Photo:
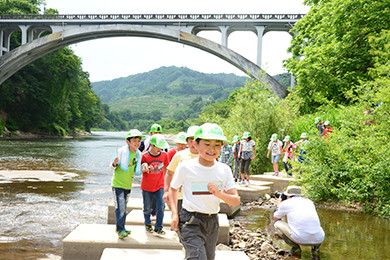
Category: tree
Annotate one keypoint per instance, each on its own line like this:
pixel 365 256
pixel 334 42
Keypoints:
pixel 331 51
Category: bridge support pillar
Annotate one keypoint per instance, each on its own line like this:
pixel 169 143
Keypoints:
pixel 24 33
pixel 260 32
pixel 1 42
pixel 292 84
pixel 224 35
pixel 5 44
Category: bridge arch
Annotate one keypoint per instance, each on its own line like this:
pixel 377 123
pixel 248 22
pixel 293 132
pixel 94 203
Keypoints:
pixel 27 53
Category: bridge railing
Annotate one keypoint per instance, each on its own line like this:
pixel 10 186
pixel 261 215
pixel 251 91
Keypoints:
pixel 151 16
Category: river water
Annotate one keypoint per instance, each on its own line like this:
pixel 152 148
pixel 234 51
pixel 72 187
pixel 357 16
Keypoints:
pixel 36 215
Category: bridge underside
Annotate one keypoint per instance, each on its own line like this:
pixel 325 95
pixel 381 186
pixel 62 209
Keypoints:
pixel 18 58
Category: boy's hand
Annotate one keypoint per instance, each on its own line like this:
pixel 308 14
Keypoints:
pixel 116 160
pixel 175 222
pixel 165 197
pixel 213 188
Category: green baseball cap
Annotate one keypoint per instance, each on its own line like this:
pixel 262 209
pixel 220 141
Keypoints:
pixel 181 138
pixel 246 135
pixel 210 131
pixel 155 128
pixel 274 137
pixel 134 133
pixel 159 141
pixel 303 135
pixel 286 138
pixel 318 119
pixel 326 123
pixel 191 131
pixel 236 138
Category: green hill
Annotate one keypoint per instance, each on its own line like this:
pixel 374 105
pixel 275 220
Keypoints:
pixel 165 89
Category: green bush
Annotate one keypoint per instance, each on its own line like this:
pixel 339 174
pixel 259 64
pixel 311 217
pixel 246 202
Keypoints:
pixel 256 110
pixel 352 164
pixel 2 125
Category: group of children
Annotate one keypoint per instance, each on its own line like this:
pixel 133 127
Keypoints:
pixel 323 127
pixel 188 178
pixel 277 150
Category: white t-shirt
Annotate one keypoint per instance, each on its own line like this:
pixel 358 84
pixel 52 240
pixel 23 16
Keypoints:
pixel 303 220
pixel 194 178
pixel 247 146
pixel 275 146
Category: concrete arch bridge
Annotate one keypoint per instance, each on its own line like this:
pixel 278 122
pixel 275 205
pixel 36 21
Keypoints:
pixel 69 29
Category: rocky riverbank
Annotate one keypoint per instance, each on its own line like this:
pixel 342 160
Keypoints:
pixel 257 244
pixel 24 135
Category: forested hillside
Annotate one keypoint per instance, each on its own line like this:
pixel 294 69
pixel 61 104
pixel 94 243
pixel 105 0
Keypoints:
pixel 166 88
pixel 49 96
pixel 168 95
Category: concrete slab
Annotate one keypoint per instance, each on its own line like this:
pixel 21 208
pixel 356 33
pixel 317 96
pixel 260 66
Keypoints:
pixel 136 217
pixel 88 241
pixel 262 183
pixel 280 183
pixel 155 254
pixel 252 192
pixel 133 203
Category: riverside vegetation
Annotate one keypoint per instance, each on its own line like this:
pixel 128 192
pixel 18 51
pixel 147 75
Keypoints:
pixel 341 61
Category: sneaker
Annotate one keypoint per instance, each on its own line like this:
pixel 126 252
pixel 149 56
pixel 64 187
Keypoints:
pixel 159 231
pixel 153 218
pixel 242 182
pixel 247 183
pixel 127 231
pixel 276 174
pixel 122 234
pixel 149 228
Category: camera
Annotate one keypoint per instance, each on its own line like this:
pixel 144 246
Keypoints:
pixel 279 194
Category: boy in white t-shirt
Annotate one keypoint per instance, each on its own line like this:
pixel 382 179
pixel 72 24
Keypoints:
pixel 205 182
pixel 276 146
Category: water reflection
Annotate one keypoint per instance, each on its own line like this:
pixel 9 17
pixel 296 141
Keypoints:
pixel 348 235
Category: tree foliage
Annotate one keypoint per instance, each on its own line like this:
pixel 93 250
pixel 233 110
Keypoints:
pixel 331 50
pixel 51 95
pixel 252 108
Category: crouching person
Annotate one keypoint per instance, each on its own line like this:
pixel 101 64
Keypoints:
pixel 303 225
pixel 205 182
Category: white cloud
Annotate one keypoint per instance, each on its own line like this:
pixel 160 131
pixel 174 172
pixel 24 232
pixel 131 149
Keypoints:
pixel 110 58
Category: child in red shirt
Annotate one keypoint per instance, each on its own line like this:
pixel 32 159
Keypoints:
pixel 154 165
pixel 328 129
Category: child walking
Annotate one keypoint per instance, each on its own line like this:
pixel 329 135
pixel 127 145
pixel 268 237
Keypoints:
pixel 236 149
pixel 302 144
pixel 289 149
pixel 247 154
pixel 154 164
pixel 205 182
pixel 276 146
pixel 125 164
pixel 184 155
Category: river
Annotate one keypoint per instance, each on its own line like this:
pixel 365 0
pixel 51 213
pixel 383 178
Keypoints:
pixel 36 215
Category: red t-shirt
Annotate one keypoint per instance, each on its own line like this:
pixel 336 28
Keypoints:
pixel 154 180
pixel 171 153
